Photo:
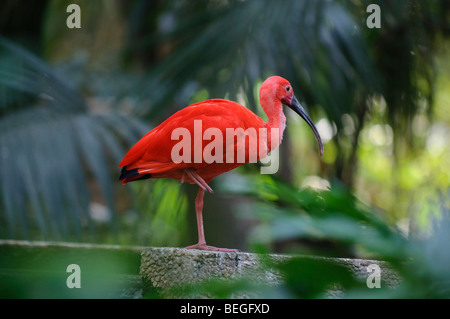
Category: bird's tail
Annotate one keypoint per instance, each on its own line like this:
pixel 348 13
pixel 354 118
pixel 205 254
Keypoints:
pixel 131 175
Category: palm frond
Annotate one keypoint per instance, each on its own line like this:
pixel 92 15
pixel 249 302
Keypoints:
pixel 228 47
pixel 51 151
pixel 22 71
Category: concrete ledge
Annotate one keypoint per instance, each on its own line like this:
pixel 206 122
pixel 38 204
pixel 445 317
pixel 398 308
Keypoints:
pixel 168 268
pixel 112 271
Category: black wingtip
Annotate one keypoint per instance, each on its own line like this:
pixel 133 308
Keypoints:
pixel 128 173
pixel 132 175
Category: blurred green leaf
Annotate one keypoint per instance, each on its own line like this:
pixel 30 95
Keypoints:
pixel 313 278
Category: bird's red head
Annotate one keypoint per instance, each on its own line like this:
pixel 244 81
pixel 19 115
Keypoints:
pixel 278 90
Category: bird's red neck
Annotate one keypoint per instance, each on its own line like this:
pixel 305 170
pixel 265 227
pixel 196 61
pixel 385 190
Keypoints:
pixel 276 120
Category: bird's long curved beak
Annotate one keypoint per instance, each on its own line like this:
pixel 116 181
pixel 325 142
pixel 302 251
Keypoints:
pixel 298 108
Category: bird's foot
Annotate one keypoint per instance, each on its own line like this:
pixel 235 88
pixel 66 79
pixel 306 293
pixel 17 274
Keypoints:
pixel 192 174
pixel 212 248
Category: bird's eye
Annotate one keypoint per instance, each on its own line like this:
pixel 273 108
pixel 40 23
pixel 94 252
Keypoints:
pixel 288 88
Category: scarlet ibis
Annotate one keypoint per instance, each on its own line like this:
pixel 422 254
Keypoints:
pixel 152 156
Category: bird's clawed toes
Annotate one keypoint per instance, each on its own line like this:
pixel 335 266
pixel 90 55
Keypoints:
pixel 196 178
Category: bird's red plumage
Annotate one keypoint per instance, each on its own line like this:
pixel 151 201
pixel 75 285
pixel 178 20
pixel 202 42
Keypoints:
pixel 152 154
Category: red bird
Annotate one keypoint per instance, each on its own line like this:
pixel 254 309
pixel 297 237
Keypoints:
pixel 158 154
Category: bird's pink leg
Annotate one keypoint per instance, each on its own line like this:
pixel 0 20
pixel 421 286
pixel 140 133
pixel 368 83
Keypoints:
pixel 182 177
pixel 201 234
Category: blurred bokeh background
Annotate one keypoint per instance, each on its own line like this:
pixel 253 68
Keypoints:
pixel 73 101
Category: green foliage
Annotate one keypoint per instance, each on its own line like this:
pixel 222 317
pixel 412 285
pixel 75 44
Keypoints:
pixel 286 213
pixel 51 147
pixel 302 279
pixel 40 271
pixel 419 263
pixel 159 214
pixel 316 47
